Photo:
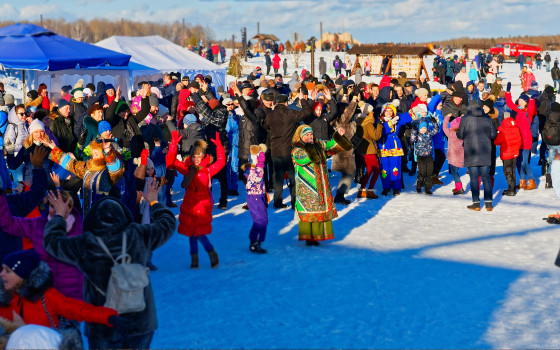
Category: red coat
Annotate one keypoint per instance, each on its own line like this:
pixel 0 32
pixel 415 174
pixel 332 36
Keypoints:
pixel 417 102
pixel 195 217
pixel 385 81
pixel 523 119
pixel 509 139
pixel 276 61
pixel 58 305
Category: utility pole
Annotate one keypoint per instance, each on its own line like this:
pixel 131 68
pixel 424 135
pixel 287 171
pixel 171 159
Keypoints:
pixel 313 58
pixel 321 37
pixel 233 44
pixel 42 20
pixel 258 28
pixel 244 41
pixel 184 36
pixel 122 26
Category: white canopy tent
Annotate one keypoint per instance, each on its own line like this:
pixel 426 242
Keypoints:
pixel 165 56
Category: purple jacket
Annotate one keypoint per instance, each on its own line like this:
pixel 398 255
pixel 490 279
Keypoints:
pixel 68 279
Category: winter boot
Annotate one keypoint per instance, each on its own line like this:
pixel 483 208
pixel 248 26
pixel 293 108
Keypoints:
pixel 531 185
pixel 522 184
pixel 544 168
pixel 488 206
pixel 339 198
pixel 255 247
pixel 396 192
pixel 194 261
pixel 371 195
pixel 509 192
pixel 361 193
pixel 428 191
pixel 548 181
pixel 436 180
pixel 214 262
pixel 458 189
pixel 385 191
pixel 418 189
pixel 475 206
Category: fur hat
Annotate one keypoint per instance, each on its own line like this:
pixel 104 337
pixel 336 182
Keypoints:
pixel 421 92
pixel 36 124
pixel 255 149
pixel 79 84
pixel 420 108
pixel 79 94
pixel 22 262
pixel 199 147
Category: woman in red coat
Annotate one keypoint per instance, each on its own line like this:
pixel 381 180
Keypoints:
pixel 276 63
pixel 26 295
pixel 195 217
pixel 526 110
pixel 509 140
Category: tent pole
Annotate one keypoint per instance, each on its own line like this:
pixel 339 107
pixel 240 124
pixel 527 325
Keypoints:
pixel 23 85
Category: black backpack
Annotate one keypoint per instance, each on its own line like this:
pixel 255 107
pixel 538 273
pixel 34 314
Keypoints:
pixel 551 133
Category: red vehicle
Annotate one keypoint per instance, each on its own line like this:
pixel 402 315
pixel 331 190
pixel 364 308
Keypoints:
pixel 512 50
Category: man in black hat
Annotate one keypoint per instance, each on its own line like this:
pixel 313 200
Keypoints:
pixel 281 124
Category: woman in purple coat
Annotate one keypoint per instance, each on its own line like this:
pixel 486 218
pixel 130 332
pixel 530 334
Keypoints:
pixel 67 279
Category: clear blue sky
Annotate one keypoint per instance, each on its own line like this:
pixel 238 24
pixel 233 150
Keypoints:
pixel 369 21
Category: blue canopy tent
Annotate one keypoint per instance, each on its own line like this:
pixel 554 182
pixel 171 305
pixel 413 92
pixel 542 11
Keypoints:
pixel 28 46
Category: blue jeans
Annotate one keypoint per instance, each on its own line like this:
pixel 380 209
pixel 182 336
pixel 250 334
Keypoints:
pixel 454 171
pixel 203 240
pixel 555 174
pixel 484 173
pixel 120 340
pixel 525 172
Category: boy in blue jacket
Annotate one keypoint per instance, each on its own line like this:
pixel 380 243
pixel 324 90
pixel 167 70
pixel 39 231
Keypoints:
pixel 425 128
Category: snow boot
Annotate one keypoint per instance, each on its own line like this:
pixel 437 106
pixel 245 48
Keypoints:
pixel 428 192
pixel 194 261
pixel 312 243
pixel 339 198
pixel 385 191
pixel 371 195
pixel 488 206
pixel 458 189
pixel 522 184
pixel 361 193
pixel 214 262
pixel 436 180
pixel 255 247
pixel 418 189
pixel 548 183
pixel 509 192
pixel 544 168
pixel 531 185
pixel 396 192
pixel 475 206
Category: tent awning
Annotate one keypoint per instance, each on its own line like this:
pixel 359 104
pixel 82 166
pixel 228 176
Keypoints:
pixel 28 46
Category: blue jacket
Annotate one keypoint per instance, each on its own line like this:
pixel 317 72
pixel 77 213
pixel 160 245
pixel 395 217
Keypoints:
pixel 438 139
pixel 232 129
pixel 473 74
pixel 423 142
pixel 21 205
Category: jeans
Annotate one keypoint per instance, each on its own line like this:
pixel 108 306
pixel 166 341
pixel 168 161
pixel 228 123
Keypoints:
pixel 193 241
pixel 281 166
pixel 484 173
pixel 524 168
pixel 454 171
pixel 120 340
pixel 547 65
pixel 555 174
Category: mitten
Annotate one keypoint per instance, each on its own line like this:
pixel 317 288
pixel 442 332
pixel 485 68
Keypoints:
pixel 175 137
pixel 10 147
pixel 217 140
pixel 144 156
pixel 508 87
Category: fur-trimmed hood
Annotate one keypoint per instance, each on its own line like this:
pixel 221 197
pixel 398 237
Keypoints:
pixel 34 103
pixel 33 287
pixel 103 222
pixel 296 139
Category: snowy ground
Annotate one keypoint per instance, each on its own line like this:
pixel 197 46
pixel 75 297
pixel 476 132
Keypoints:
pixel 403 272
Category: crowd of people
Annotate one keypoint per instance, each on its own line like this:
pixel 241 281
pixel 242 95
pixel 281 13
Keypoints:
pixel 86 181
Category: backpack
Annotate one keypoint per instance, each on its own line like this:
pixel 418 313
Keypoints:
pixel 551 133
pixel 125 290
pixel 535 128
pixel 337 64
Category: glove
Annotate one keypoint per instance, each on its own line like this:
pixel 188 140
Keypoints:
pixel 144 157
pixel 260 160
pixel 10 147
pixel 217 141
pixel 175 137
pixel 119 321
pixel 508 87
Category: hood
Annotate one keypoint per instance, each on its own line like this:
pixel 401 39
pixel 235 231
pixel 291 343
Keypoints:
pixel 554 117
pixel 384 94
pixel 33 287
pixel 100 88
pixel 475 112
pixel 12 117
pixel 107 217
pixel 508 123
pixel 296 139
pixel 5 109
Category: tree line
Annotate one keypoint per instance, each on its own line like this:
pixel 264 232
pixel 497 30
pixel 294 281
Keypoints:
pixel 547 42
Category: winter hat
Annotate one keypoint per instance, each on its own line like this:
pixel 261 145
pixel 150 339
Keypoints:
pixel 255 150
pixel 189 119
pixel 507 115
pixel 213 103
pixel 63 103
pixel 317 105
pixel 534 85
pixel 103 126
pixel 8 99
pixel 485 95
pixel 421 92
pixel 388 105
pixel 310 85
pixel 79 84
pixel 109 87
pixel 32 336
pixel 524 98
pixel 488 103
pixel 199 147
pixel 422 124
pixel 208 78
pixel 306 130
pixel 66 88
pixel 87 92
pixel 338 81
pixel 281 98
pixel 220 89
pixel 226 101
pixel 549 90
pixel 36 124
pixel 78 94
pixel 149 164
pixel 22 262
pixel 199 76
pixel 155 91
pixel 321 95
pixel 420 108
pixel 555 107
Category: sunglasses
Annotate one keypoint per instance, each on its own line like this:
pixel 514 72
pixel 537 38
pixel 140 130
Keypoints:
pixel 21 114
pixel 229 104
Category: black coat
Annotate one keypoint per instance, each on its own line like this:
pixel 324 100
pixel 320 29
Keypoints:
pixel 63 129
pixel 320 125
pixel 85 252
pixel 281 124
pixel 122 129
pixel 251 130
pixel 477 132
